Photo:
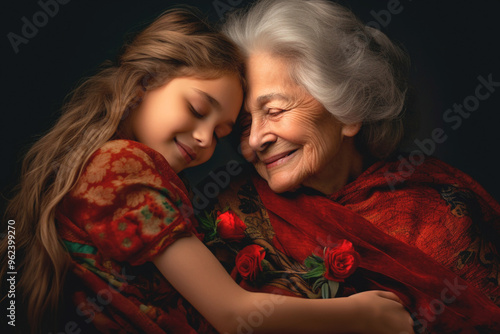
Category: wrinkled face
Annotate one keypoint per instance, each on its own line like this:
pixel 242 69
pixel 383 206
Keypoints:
pixel 293 140
pixel 183 119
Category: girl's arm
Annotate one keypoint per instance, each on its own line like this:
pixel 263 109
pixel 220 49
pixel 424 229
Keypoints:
pixel 195 272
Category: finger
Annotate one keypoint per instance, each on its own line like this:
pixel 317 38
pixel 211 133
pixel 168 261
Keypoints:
pixel 409 330
pixel 390 295
pixel 412 323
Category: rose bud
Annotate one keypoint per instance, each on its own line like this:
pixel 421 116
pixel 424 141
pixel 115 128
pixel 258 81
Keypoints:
pixel 230 226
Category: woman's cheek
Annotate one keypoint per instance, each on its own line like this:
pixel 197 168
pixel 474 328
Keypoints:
pixel 313 152
pixel 320 148
pixel 295 127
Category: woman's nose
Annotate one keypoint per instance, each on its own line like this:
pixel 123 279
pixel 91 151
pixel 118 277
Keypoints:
pixel 260 135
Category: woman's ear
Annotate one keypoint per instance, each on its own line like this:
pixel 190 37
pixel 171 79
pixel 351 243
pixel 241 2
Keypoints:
pixel 350 130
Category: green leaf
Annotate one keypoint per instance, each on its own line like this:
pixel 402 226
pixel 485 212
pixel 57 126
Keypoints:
pixel 309 262
pixel 316 272
pixel 208 222
pixel 334 288
pixel 209 216
pixel 318 258
pixel 313 261
pixel 325 291
pixel 266 266
pixel 206 225
pixel 209 225
pixel 318 283
pixel 211 235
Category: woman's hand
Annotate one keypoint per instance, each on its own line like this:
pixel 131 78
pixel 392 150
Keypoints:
pixel 381 312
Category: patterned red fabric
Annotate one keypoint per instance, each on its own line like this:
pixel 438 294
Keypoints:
pixel 431 237
pixel 127 206
pixel 437 208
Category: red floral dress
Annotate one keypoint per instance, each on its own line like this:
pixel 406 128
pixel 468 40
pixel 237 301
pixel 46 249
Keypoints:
pixel 127 207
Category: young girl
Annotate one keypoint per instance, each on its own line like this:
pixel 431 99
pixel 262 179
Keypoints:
pixel 104 225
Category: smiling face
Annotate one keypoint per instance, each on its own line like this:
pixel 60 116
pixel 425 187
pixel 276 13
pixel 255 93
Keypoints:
pixel 183 119
pixel 293 140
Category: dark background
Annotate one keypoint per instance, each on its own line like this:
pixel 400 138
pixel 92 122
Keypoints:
pixel 451 43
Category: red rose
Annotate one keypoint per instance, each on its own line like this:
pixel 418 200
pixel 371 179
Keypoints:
pixel 249 261
pixel 230 226
pixel 340 261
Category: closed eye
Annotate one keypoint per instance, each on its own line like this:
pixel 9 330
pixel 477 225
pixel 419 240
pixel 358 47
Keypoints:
pixel 275 111
pixel 194 112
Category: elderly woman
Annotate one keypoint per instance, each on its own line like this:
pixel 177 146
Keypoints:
pixel 333 212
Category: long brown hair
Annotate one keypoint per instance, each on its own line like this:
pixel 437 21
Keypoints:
pixel 178 43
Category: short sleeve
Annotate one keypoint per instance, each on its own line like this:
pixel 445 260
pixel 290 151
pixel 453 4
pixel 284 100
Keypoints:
pixel 130 202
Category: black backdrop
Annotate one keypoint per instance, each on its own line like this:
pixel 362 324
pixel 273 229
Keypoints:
pixel 451 44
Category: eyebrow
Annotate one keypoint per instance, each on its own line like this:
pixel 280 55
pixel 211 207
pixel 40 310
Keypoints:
pixel 209 98
pixel 272 96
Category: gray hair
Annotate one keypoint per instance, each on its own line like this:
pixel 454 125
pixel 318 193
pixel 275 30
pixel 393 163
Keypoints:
pixel 353 70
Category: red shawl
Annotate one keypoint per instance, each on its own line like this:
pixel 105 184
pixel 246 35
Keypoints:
pixel 428 235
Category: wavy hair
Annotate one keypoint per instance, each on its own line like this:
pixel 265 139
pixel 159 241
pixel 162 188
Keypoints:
pixel 353 70
pixel 178 43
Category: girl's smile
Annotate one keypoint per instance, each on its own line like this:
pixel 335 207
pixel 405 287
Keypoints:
pixel 183 119
pixel 188 154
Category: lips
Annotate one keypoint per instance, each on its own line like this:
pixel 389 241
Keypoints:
pixel 278 158
pixel 186 151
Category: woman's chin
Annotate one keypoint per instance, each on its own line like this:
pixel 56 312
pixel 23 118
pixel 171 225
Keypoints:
pixel 280 184
pixel 280 180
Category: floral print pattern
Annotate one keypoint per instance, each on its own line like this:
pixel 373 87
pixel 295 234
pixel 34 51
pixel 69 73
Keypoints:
pixel 123 211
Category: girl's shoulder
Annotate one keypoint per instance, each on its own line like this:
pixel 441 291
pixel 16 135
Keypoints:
pixel 127 202
pixel 120 162
pixel 128 156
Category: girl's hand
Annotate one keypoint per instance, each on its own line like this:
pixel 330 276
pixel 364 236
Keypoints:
pixel 197 275
pixel 381 312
